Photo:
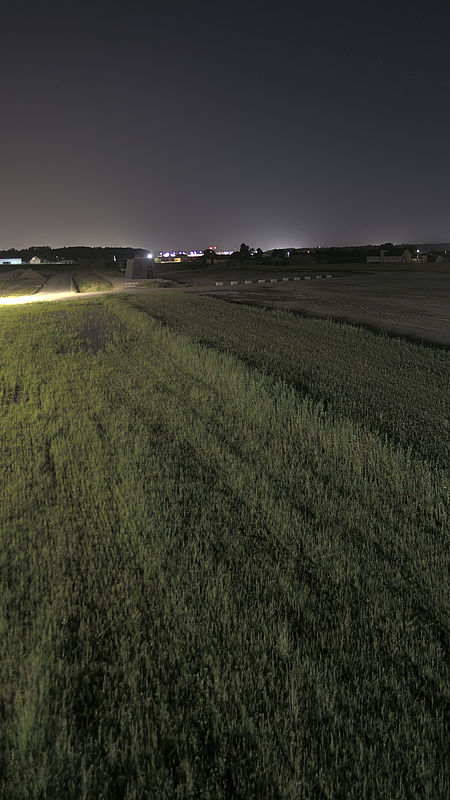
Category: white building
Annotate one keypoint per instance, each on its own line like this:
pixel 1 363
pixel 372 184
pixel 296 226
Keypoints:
pixel 10 261
pixel 395 255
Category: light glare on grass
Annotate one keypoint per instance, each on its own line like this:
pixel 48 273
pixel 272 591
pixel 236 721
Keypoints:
pixel 34 298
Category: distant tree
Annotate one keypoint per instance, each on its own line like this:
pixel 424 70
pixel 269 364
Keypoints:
pixel 278 256
pixel 387 244
pixel 208 256
pixel 244 252
pixel 259 254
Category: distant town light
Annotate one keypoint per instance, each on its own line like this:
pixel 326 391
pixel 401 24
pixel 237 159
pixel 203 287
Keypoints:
pixel 149 255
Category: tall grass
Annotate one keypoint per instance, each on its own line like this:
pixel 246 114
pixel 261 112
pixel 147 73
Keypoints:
pixel 86 281
pixel 211 586
pixel 396 388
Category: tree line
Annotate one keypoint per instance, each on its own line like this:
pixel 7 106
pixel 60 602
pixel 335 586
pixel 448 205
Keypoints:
pixel 77 253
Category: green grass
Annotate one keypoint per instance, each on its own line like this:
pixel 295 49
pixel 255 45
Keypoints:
pixel 396 388
pixel 12 288
pixel 211 586
pixel 86 281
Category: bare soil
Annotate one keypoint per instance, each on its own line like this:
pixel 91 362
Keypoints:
pixel 403 300
pixel 57 283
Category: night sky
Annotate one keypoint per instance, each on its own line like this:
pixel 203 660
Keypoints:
pixel 185 124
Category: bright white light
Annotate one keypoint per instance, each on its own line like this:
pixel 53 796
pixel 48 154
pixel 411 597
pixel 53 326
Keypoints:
pixel 12 301
pixel 149 255
pixel 166 255
pixel 40 297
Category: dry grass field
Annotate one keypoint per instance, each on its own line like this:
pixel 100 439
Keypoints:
pixel 224 554
pixel 411 302
pixel 399 299
pixel 407 300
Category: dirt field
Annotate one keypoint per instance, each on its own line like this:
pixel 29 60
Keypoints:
pixel 403 300
pixel 400 299
pixel 57 283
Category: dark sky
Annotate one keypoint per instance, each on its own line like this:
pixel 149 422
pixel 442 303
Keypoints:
pixel 183 124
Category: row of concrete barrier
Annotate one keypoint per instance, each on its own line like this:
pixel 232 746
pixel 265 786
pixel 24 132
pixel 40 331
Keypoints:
pixel 273 280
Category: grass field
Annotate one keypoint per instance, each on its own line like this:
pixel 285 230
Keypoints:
pixel 13 289
pixel 224 556
pixel 399 299
pixel 12 284
pixel 395 388
pixel 86 281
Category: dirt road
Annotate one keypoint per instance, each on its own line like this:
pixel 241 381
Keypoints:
pixel 57 284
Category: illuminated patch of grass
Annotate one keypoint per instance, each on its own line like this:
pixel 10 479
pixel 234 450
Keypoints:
pixel 211 587
pixel 87 281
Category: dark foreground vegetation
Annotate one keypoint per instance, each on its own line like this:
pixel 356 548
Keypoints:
pixel 224 574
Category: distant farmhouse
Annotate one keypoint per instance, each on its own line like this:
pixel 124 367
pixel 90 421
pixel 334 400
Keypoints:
pixel 10 260
pixel 35 260
pixel 434 256
pixel 394 255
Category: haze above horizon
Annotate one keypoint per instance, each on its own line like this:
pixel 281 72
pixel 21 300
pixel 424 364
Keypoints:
pixel 181 126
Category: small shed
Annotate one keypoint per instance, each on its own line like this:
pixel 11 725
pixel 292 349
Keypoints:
pixel 139 268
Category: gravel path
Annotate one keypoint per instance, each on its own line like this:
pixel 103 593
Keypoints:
pixel 59 283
